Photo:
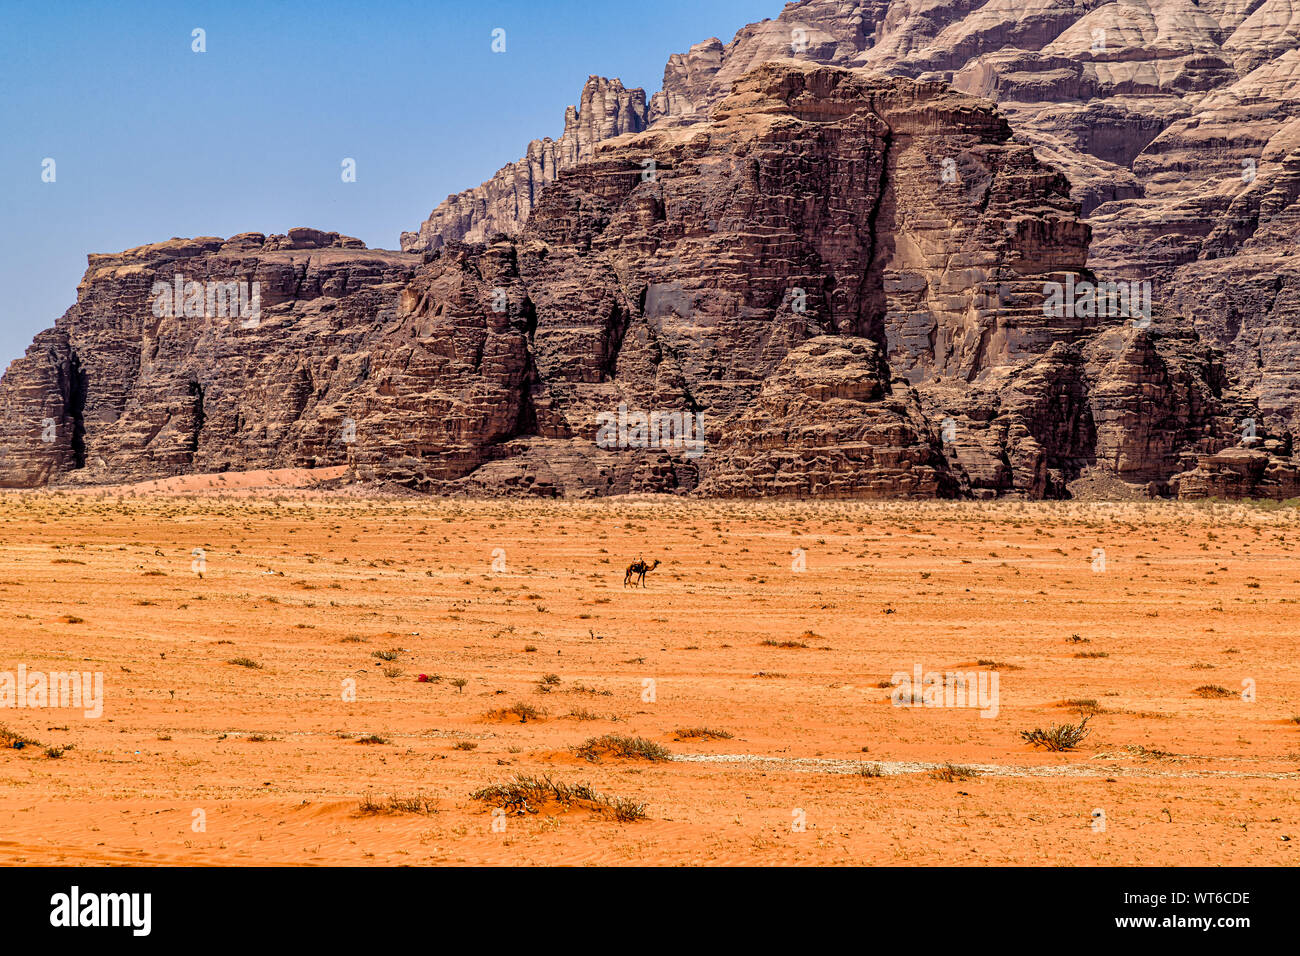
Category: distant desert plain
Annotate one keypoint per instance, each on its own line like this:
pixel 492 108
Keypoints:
pixel 299 675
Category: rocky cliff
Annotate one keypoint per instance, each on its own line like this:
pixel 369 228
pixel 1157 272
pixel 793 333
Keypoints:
pixel 814 264
pixel 1176 122
pixel 117 391
pixel 834 286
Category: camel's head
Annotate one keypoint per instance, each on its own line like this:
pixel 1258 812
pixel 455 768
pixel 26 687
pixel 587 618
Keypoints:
pixel 656 564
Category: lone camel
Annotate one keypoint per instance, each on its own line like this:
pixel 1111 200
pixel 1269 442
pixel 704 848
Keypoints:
pixel 637 570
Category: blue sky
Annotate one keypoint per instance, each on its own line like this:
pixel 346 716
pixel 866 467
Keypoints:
pixel 152 140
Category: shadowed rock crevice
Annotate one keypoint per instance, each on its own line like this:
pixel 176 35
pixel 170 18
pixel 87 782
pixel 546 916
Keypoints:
pixel 75 407
pixel 196 390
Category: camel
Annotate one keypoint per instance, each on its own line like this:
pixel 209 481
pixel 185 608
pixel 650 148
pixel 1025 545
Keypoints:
pixel 636 572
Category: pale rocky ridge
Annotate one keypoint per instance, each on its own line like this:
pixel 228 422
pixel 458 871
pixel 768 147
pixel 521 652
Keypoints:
pixel 605 110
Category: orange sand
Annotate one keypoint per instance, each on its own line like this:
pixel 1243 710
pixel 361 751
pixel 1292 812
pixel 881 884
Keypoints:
pixel 1191 596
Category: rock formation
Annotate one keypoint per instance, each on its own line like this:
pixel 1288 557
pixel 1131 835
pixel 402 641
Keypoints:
pixel 1176 122
pixel 819 248
pixel 117 392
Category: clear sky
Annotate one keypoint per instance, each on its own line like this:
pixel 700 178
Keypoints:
pixel 151 140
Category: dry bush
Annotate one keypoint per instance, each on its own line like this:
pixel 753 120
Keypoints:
pixel 614 745
pixel 523 712
pixel 701 733
pixel 527 794
pixel 394 805
pixel 1058 736
pixel 951 773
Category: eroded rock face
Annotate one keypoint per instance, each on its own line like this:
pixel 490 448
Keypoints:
pixel 1177 124
pixel 116 391
pixel 1241 473
pixel 810 206
pixel 827 424
pixel 832 287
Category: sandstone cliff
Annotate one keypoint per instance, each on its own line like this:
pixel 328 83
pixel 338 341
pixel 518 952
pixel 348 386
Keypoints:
pixel 833 286
pixel 1177 124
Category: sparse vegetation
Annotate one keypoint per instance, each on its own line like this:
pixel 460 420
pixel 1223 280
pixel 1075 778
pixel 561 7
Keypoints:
pixel 409 585
pixel 1059 736
pixel 13 740
pixel 701 733
pixel 529 794
pixel 951 773
pixel 615 745
pixel 395 805
pixel 519 710
pixel 1083 706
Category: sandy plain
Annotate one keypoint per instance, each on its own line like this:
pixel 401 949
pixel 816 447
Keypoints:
pixel 1182 647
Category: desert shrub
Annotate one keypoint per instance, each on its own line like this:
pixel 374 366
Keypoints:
pixel 527 794
pixel 1084 706
pixel 13 740
pixel 701 733
pixel 614 745
pixel 394 805
pixel 525 712
pixel 951 772
pixel 1058 736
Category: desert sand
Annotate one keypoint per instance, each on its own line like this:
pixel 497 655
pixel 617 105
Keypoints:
pixel 323 746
